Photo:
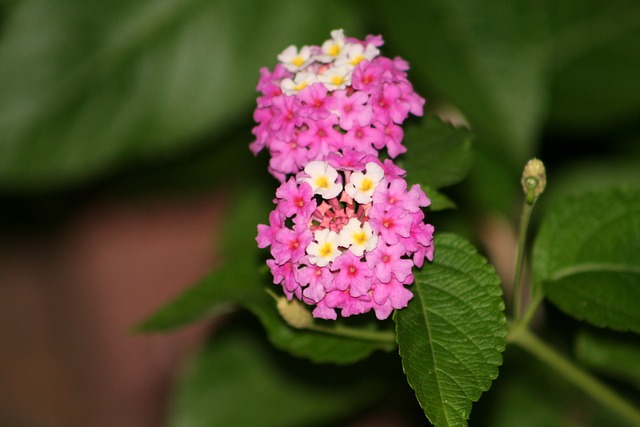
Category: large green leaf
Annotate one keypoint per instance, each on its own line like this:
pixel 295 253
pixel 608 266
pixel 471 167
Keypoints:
pixel 489 58
pixel 88 86
pixel 237 380
pixel 438 155
pixel 451 335
pixel 587 256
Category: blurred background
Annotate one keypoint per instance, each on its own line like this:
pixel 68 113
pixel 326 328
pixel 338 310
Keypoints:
pixel 124 129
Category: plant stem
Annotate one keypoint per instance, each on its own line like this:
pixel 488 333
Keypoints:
pixel 387 337
pixel 536 300
pixel 522 238
pixel 521 336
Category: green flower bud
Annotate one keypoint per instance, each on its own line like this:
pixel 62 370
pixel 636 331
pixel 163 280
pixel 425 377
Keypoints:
pixel 534 180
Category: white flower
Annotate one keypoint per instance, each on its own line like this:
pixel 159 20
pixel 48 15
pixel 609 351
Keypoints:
pixel 336 78
pixel 322 179
pixel 362 185
pixel 294 60
pixel 358 238
pixel 354 53
pixel 332 48
pixel 299 82
pixel 325 248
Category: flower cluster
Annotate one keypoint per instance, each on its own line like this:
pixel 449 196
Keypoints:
pixel 339 97
pixel 346 231
pixel 347 238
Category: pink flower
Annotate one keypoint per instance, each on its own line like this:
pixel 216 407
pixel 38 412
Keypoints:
pixel 391 222
pixel 296 200
pixel 291 243
pixel 353 109
pixel 315 102
pixel 321 135
pixel 387 261
pixel 344 254
pixel 352 274
pixel 392 138
pixel 364 139
pixel 387 105
pixel 395 194
pixel 285 118
pixel 390 296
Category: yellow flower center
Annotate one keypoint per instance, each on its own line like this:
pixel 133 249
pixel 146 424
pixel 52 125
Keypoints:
pixel 334 50
pixel 360 237
pixel 355 61
pixel 325 250
pixel 337 80
pixel 322 182
pixel 300 86
pixel 366 184
pixel 297 61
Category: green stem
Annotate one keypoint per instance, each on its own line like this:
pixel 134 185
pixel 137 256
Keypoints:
pixel 522 238
pixel 387 337
pixel 537 299
pixel 522 337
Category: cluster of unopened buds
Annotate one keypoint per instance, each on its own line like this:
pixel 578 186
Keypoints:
pixel 347 230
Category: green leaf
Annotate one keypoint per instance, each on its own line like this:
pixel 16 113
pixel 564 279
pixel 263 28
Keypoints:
pixel 451 335
pixel 88 87
pixel 616 357
pixel 489 58
pixel 318 347
pixel 587 257
pixel 237 380
pixel 234 283
pixel 438 155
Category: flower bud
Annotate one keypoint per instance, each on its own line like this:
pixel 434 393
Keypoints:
pixel 294 313
pixel 534 180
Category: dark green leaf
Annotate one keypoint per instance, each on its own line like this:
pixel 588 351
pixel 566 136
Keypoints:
pixel 489 58
pixel 88 86
pixel 236 380
pixel 615 357
pixel 438 156
pixel 587 256
pixel 451 335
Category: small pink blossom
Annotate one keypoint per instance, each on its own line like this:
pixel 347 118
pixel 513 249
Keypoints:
pixel 353 109
pixel 296 200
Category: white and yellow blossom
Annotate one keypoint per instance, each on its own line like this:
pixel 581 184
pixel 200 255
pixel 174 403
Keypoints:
pixel 358 237
pixel 325 247
pixel 323 179
pixel 362 185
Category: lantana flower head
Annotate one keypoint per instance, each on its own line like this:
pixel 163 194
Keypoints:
pixel 345 235
pixel 341 95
